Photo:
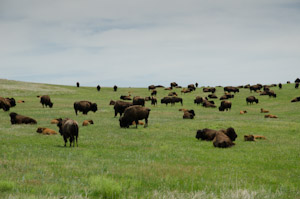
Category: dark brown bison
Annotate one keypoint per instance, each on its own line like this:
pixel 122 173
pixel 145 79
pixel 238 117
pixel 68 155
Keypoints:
pixel 85 107
pixel 251 99
pixel 199 100
pixel 270 116
pixel 185 91
pixel 69 129
pixel 297 85
pixel 212 96
pixel 154 92
pixel 120 107
pixel 208 104
pixel 226 96
pixel 138 101
pixel 249 138
pixel 224 139
pixel 98 88
pixel 209 134
pixel 4 104
pixel 46 101
pixel 189 114
pixel 153 101
pixel 125 97
pixel 77 84
pixel 297 99
pixel 166 100
pixel 169 88
pixel 176 100
pixel 87 122
pixel 151 87
pixel 46 131
pixel 191 87
pixel 280 86
pixel 225 105
pixel 255 87
pixel 231 89
pixel 209 89
pixel 20 119
pixel 115 88
pixel 134 113
pixel 173 84
pixel 172 94
pixel 196 84
pixel 297 80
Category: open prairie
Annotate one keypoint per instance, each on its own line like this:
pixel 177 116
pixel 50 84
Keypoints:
pixel 164 160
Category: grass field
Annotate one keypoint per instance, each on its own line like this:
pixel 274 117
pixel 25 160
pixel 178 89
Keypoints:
pixel 163 160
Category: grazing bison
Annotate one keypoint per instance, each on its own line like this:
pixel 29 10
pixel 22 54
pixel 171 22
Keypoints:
pixel 270 116
pixel 176 99
pixel 115 88
pixel 223 139
pixel 134 113
pixel 20 119
pixel 69 129
pixel 225 105
pixel 243 112
pixel 46 101
pixel 77 84
pixel 280 86
pixel 87 122
pixel 46 131
pixel 251 99
pixel 98 88
pixel 153 101
pixel 85 107
pixel 120 107
pixel 189 114
pixel 166 100
pixel 151 87
pixel 154 92
pixel 297 99
pixel 231 89
pixel 138 101
pixel 4 104
pixel 255 87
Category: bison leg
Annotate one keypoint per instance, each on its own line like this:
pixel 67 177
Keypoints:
pixel 76 111
pixel 71 140
pixel 116 113
pixel 136 123
pixel 77 141
pixel 146 122
pixel 65 139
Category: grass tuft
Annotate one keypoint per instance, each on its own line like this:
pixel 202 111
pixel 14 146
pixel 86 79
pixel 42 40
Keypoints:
pixel 104 187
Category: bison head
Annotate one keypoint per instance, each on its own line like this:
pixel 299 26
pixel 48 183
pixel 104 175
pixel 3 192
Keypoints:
pixel 256 100
pixel 12 101
pixel 124 123
pixel 199 134
pixel 50 104
pixel 192 112
pixel 94 107
pixel 40 130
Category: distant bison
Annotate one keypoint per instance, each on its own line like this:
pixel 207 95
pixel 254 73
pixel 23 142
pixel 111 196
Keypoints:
pixel 20 101
pixel 209 134
pixel 85 107
pixel 77 84
pixel 69 129
pixel 297 99
pixel 270 116
pixel 199 100
pixel 46 131
pixel 209 89
pixel 188 114
pixel 115 88
pixel 208 104
pixel 138 101
pixel 153 101
pixel 20 119
pixel 264 111
pixel 231 89
pixel 98 88
pixel 154 92
pixel 243 112
pixel 87 122
pixel 191 87
pixel 224 139
pixel 212 96
pixel 280 86
pixel 46 101
pixel 255 87
pixel 125 97
pixel 151 87
pixel 251 99
pixel 173 84
pixel 120 107
pixel 134 113
pixel 225 105
pixel 253 137
pixel 4 104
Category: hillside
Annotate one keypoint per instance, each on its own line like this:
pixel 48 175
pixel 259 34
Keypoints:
pixel 164 160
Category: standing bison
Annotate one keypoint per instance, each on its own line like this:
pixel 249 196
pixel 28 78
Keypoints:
pixel 46 101
pixel 138 101
pixel 134 113
pixel 85 107
pixel 69 130
pixel 20 119
pixel 120 107
pixel 251 99
pixel 225 105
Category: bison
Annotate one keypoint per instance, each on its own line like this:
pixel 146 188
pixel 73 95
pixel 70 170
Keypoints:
pixel 225 105
pixel 264 111
pixel 112 102
pixel 77 84
pixel 199 100
pixel 120 107
pixel 4 104
pixel 243 112
pixel 98 88
pixel 85 107
pixel 69 129
pixel 20 119
pixel 231 89
pixel 208 104
pixel 280 86
pixel 251 99
pixel 173 84
pixel 151 87
pixel 224 139
pixel 209 134
pixel 138 101
pixel 253 137
pixel 115 88
pixel 270 116
pixel 134 113
pixel 153 101
pixel 191 87
pixel 87 122
pixel 125 97
pixel 297 85
pixel 189 114
pixel 46 131
pixel 46 101
pixel 212 96
pixel 154 92
pixel 297 99
pixel 208 89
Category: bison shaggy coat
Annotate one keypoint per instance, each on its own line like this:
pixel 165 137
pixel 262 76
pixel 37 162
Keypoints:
pixel 188 114
pixel 120 107
pixel 134 113
pixel 225 105
pixel 251 99
pixel 20 119
pixel 4 104
pixel 69 129
pixel 46 101
pixel 85 107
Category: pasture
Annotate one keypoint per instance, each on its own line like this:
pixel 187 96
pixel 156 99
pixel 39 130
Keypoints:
pixel 164 160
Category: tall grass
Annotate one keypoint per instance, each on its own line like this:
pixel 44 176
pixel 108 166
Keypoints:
pixel 163 160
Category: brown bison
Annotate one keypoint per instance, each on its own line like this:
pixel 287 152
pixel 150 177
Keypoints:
pixel 212 96
pixel 208 104
pixel 115 88
pixel 77 84
pixel 297 99
pixel 172 94
pixel 4 104
pixel 98 88
pixel 280 86
pixel 87 122
pixel 209 134
pixel 199 100
pixel 151 87
pixel 191 87
pixel 270 116
pixel 69 129
pixel 224 139
pixel 225 105
pixel 185 91
pixel 46 101
pixel 264 111
pixel 226 96
pixel 255 87
pixel 253 137
pixel 154 92
pixel 188 114
pixel 251 99
pixel 153 101
pixel 20 101
pixel 243 112
pixel 209 89
pixel 173 84
pixel 46 131
pixel 134 113
pixel 85 107
pixel 120 107
pixel 231 89
pixel 125 97
pixel 138 101
pixel 20 119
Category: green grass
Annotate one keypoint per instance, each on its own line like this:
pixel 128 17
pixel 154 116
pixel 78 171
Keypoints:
pixel 163 160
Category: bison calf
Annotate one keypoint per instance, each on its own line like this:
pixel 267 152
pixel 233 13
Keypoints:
pixel 87 122
pixel 46 131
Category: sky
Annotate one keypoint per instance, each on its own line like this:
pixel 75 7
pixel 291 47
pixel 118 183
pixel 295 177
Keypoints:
pixel 136 43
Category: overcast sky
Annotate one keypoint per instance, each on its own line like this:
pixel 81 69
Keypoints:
pixel 137 42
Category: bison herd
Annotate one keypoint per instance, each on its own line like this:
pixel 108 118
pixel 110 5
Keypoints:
pixel 133 110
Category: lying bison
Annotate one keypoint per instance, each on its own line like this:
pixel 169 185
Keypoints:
pixel 134 113
pixel 87 122
pixel 209 134
pixel 46 101
pixel 46 131
pixel 4 104
pixel 85 107
pixel 69 129
pixel 20 119
pixel 188 114
pixel 120 107
pixel 297 99
pixel 231 89
pixel 224 139
pixel 251 99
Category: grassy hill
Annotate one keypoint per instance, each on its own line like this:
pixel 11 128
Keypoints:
pixel 163 160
